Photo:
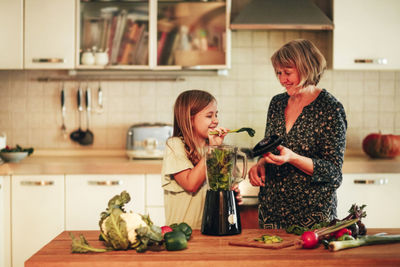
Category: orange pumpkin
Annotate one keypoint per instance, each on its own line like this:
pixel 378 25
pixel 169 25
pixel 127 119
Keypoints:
pixel 377 145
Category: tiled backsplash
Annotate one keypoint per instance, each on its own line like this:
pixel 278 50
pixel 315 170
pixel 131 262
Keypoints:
pixel 30 112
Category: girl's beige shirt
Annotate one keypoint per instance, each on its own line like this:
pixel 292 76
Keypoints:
pixel 180 206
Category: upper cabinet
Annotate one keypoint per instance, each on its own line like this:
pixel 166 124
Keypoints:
pixel 366 34
pixel 49 34
pixel 11 20
pixel 153 34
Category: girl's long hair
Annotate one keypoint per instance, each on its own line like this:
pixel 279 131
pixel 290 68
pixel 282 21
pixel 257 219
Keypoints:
pixel 188 104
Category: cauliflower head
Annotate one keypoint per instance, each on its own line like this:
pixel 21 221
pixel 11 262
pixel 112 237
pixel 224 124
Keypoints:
pixel 133 221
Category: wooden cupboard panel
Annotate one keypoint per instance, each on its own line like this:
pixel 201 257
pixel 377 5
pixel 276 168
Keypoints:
pixel 154 191
pixel 49 34
pixel 366 30
pixel 11 45
pixel 37 204
pixel 87 196
pixel 380 192
pixel 5 235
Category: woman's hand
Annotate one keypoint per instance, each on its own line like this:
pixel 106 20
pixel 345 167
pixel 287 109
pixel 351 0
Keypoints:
pixel 235 188
pixel 285 155
pixel 217 139
pixel 257 174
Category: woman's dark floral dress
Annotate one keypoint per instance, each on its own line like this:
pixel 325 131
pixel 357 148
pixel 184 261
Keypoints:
pixel 291 196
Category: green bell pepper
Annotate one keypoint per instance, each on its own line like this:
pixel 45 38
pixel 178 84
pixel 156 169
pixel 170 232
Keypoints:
pixel 184 228
pixel 175 240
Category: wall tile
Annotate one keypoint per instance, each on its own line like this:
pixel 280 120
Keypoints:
pixel 30 110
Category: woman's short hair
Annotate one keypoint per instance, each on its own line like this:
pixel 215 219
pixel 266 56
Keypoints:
pixel 305 57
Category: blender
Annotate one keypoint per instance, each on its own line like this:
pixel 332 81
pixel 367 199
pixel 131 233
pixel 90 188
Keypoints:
pixel 221 214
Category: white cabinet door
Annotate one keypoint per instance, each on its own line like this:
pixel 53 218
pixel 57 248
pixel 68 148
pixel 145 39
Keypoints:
pixel 155 199
pixel 37 203
pixel 88 195
pixel 380 192
pixel 11 32
pixel 49 34
pixel 5 241
pixel 367 31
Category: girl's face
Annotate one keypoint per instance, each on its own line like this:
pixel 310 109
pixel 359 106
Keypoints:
pixel 289 78
pixel 204 120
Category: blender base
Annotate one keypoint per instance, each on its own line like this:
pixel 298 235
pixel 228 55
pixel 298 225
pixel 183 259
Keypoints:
pixel 221 214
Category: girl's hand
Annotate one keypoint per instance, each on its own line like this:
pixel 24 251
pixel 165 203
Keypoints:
pixel 285 155
pixel 257 174
pixel 217 139
pixel 235 188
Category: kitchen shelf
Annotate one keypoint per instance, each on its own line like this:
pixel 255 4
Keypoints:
pixel 150 35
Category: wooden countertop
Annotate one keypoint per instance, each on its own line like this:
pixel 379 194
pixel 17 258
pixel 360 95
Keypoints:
pixel 115 162
pixel 214 251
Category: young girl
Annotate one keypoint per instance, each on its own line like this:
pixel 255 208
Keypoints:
pixel 183 170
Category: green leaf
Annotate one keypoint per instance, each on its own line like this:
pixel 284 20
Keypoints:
pixel 118 201
pixel 117 235
pixel 81 245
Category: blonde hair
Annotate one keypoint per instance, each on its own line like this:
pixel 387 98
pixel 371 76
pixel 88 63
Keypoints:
pixel 305 57
pixel 188 104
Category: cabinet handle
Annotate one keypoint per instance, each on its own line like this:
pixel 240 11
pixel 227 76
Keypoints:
pixel 37 183
pixel 48 60
pixel 380 61
pixel 105 183
pixel 382 181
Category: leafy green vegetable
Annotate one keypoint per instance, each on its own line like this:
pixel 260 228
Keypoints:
pixel 121 230
pixel 219 168
pixel 249 131
pixel 81 245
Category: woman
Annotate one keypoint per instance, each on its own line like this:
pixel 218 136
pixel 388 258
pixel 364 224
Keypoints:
pixel 298 181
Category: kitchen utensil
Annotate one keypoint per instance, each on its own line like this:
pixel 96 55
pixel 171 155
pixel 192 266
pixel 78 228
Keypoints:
pixel 147 140
pixel 88 137
pixel 267 144
pixel 100 107
pixel 255 244
pixel 77 135
pixel 221 212
pixel 63 111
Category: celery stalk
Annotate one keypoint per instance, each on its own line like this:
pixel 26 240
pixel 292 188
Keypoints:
pixel 363 241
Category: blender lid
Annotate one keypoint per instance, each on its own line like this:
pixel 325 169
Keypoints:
pixel 267 144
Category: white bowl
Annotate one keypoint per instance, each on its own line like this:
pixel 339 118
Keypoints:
pixel 13 156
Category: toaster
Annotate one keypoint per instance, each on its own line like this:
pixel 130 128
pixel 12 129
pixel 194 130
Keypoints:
pixel 147 140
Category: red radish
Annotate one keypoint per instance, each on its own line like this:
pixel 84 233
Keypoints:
pixel 165 229
pixel 310 239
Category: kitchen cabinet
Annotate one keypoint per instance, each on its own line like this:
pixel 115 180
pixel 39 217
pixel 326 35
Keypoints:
pixel 11 44
pixel 155 199
pixel 37 204
pixel 154 34
pixel 380 192
pixel 87 196
pixel 5 241
pixel 49 34
pixel 366 34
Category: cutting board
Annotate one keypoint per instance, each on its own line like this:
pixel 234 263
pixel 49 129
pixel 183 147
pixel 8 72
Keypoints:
pixel 288 241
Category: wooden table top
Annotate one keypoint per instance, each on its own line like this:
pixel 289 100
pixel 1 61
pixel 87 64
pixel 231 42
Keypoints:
pixel 215 251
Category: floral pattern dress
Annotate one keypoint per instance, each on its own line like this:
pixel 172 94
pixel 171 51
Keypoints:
pixel 290 196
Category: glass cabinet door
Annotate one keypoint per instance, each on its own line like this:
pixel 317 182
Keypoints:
pixel 113 34
pixel 192 33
